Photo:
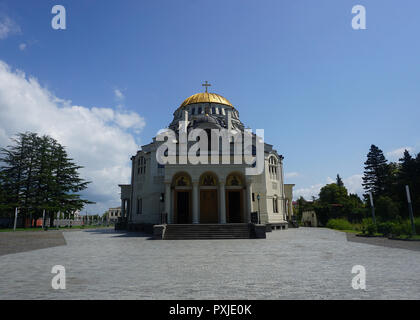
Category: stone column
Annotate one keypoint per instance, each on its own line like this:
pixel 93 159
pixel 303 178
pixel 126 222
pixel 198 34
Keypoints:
pixel 122 207
pixel 249 199
pixel 168 202
pixel 222 218
pixel 196 213
pixel 291 208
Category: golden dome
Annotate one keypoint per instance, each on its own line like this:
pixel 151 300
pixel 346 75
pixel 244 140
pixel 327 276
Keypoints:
pixel 206 97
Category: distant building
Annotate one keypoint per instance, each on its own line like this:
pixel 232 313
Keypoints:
pixel 288 196
pixel 113 214
pixel 76 215
pixel 309 219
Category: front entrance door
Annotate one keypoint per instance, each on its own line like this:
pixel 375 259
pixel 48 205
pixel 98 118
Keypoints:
pixel 183 207
pixel 234 206
pixel 208 206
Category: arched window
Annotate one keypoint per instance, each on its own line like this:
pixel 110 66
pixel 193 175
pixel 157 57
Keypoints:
pixel 141 165
pixel 275 205
pixel 182 181
pixel 272 167
pixel 208 180
pixel 234 180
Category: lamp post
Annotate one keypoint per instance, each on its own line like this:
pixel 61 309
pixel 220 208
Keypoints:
pixel 410 210
pixel 16 214
pixel 43 219
pixel 373 207
pixel 259 218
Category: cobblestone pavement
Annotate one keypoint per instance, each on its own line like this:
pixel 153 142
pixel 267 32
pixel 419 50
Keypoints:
pixel 13 242
pixel 304 263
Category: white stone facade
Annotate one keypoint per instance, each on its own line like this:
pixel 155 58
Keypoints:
pixel 113 214
pixel 204 193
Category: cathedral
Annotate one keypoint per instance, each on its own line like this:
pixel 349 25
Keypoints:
pixel 205 193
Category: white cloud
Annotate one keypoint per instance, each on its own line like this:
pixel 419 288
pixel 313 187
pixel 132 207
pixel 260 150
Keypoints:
pixel 8 27
pixel 288 175
pixel 396 154
pixel 130 120
pixel 118 94
pixel 308 192
pixel 22 46
pixel 97 138
pixel 352 183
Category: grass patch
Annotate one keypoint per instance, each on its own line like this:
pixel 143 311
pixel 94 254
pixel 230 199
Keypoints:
pixel 398 229
pixel 407 237
pixel 339 224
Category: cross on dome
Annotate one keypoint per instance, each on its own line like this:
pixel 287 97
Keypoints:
pixel 206 84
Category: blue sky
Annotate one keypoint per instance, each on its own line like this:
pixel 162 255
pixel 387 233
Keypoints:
pixel 322 91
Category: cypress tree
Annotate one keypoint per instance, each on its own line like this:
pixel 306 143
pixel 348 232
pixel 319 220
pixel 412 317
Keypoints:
pixel 376 173
pixel 339 181
pixel 409 174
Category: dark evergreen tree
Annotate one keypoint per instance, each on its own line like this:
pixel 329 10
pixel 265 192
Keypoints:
pixel 407 170
pixel 36 174
pixel 376 174
pixel 408 174
pixel 339 181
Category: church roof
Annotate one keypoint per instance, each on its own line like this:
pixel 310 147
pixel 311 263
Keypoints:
pixel 206 97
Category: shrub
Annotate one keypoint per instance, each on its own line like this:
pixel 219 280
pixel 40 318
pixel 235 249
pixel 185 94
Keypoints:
pixel 397 229
pixel 369 227
pixel 386 208
pixel 339 224
pixel 417 224
pixel 401 228
pixel 386 228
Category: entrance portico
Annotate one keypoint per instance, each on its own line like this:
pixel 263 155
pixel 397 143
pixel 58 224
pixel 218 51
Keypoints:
pixel 210 198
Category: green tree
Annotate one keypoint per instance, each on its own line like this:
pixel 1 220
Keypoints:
pixel 408 174
pixel 339 181
pixel 333 194
pixel 376 173
pixel 5 209
pixel 334 202
pixel 37 174
pixel 354 208
pixel 386 208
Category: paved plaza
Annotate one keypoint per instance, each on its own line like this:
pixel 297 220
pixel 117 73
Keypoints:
pixel 304 263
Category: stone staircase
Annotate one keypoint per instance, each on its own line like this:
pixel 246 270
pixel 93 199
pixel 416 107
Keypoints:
pixel 207 231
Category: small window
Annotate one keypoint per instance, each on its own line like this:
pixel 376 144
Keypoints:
pixel 199 110
pixel 213 110
pixel 193 111
pixel 141 165
pixel 139 206
pixel 253 197
pixel 275 206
